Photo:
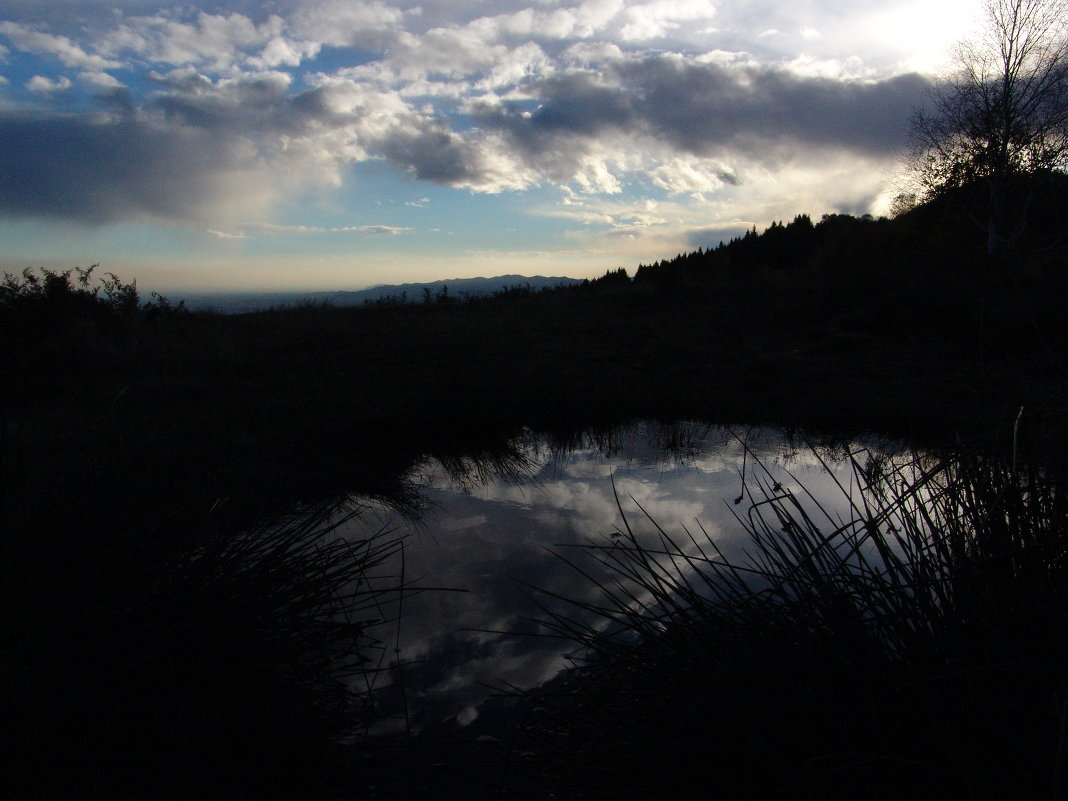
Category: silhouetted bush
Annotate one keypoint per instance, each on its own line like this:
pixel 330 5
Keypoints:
pixel 72 291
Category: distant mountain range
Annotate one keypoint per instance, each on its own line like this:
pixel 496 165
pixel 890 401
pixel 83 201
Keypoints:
pixel 459 288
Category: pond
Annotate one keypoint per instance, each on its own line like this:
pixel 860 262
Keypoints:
pixel 497 542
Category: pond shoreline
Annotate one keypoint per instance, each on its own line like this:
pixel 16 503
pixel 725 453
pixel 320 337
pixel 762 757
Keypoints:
pixel 298 402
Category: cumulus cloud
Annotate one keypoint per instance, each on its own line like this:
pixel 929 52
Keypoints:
pixel 236 107
pixel 342 23
pixel 101 81
pixel 27 38
pixel 688 176
pixel 216 41
pixel 709 109
pixel 39 83
pixel 430 152
pixel 656 19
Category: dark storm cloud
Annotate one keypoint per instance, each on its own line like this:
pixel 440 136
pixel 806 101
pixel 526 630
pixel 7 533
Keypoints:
pixel 253 105
pixel 178 156
pixel 95 171
pixel 573 105
pixel 705 109
pixel 199 144
pixel 430 153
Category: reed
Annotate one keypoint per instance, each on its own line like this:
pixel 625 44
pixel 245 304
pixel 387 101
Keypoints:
pixel 911 647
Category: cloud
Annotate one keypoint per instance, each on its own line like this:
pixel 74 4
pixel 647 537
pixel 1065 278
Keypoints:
pixel 367 230
pixel 446 52
pixel 689 176
pixel 43 85
pixel 101 81
pixel 302 140
pixel 656 19
pixel 229 112
pixel 430 152
pixel 343 23
pixel 96 169
pixel 710 110
pixel 375 230
pixel 418 141
pixel 219 42
pixel 200 145
pixel 637 224
pixel 27 38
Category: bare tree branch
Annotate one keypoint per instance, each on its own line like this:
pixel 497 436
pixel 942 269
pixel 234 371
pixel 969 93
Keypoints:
pixel 1001 118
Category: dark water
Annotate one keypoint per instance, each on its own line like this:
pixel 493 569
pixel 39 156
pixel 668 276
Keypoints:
pixel 492 532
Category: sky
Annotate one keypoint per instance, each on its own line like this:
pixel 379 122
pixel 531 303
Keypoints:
pixel 339 144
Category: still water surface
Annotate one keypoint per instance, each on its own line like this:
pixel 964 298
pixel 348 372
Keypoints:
pixel 491 532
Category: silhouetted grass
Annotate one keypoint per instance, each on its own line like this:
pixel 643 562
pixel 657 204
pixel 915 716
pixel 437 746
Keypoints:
pixel 185 659
pixel 913 648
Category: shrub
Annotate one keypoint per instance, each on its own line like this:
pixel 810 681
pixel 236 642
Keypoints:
pixel 72 291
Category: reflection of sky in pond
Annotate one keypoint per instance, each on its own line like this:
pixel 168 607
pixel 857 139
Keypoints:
pixel 498 536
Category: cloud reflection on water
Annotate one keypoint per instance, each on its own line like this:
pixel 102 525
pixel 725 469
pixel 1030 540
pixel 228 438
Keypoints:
pixel 500 535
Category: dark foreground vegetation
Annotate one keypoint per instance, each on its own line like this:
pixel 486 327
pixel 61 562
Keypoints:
pixel 179 622
pixel 912 649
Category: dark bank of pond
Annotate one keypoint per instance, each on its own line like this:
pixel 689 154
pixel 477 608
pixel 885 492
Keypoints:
pixel 499 544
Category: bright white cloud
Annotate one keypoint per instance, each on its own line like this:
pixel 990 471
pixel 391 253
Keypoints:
pixel 70 54
pixel 216 41
pixel 43 85
pixel 695 177
pixel 452 53
pixel 658 18
pixel 924 33
pixel 343 23
pixel 101 80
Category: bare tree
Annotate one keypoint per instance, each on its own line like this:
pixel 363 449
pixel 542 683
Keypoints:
pixel 1001 118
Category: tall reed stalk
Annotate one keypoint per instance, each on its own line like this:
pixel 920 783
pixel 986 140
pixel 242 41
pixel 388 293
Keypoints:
pixel 912 648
